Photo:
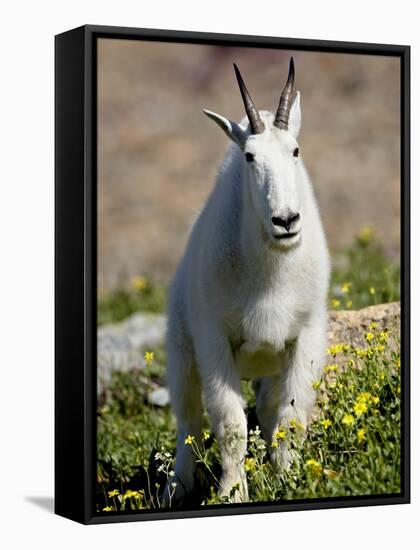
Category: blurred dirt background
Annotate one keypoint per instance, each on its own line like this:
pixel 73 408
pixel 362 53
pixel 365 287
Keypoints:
pixel 158 154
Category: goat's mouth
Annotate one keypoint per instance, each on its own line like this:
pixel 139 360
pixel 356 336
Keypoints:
pixel 286 235
pixel 285 241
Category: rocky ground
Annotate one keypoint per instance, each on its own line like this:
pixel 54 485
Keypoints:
pixel 350 326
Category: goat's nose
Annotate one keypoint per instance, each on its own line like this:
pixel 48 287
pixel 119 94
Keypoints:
pixel 286 222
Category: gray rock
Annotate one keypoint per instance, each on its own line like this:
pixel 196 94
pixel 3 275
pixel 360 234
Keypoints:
pixel 159 397
pixel 349 327
pixel 121 345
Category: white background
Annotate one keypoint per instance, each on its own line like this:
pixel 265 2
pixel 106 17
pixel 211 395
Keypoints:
pixel 26 271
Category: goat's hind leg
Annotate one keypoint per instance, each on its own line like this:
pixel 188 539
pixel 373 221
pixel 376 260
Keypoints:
pixel 186 400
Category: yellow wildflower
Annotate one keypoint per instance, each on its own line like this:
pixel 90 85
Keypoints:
pixel 399 390
pixel 139 283
pixel 369 336
pixel 375 399
pixel 130 494
pixel 301 426
pixel 337 348
pixel 326 423
pixel 349 304
pixel 335 303
pixel 398 363
pixel 345 287
pixel 314 466
pixel 189 440
pixel 206 435
pixel 383 337
pixel 348 419
pixel 360 408
pixel 249 464
pixel 274 444
pixel 113 493
pixel 107 509
pixel 149 357
pixel 372 290
pixel 281 433
pixel 316 384
pixel 330 368
pixel 375 411
pixel 350 363
pixel 364 397
pixel 332 385
pixel 365 234
pixel 373 325
pixel 361 434
pixel 293 422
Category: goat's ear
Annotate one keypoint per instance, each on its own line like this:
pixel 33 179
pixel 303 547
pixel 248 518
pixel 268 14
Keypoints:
pixel 233 130
pixel 295 116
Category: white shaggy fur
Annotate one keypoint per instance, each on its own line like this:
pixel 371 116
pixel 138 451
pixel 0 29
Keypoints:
pixel 245 304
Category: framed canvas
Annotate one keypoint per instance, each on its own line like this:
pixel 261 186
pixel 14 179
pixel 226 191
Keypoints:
pixel 232 287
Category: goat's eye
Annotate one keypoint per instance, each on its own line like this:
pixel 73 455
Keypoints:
pixel 296 152
pixel 249 157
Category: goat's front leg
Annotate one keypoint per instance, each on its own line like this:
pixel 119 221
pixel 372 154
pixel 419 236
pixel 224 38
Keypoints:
pixel 304 360
pixel 222 395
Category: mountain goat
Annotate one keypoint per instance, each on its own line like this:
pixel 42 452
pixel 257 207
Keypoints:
pixel 249 296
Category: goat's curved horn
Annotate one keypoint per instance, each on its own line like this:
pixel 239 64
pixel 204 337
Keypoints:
pixel 257 125
pixel 282 115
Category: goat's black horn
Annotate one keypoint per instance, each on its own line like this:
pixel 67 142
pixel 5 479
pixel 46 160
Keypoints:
pixel 257 125
pixel 283 110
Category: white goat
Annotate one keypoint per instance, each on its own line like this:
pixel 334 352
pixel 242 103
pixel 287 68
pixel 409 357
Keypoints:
pixel 249 296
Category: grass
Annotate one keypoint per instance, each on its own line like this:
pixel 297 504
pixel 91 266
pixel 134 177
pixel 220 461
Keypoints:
pixel 362 275
pixel 352 448
pixel 141 295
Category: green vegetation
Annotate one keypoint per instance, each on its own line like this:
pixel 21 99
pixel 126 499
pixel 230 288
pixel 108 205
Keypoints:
pixel 142 295
pixel 363 276
pixel 352 448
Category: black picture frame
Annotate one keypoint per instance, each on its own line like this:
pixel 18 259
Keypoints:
pixel 76 264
